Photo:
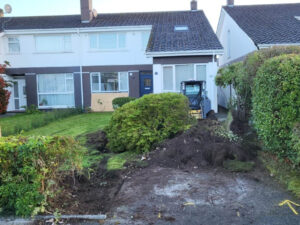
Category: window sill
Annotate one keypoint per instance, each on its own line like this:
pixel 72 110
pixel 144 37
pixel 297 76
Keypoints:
pixel 13 53
pixel 108 92
pixel 53 52
pixel 107 50
pixel 56 107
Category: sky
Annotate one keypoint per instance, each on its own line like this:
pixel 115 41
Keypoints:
pixel 211 8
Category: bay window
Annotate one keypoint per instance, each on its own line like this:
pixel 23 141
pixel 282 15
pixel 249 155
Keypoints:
pixel 109 82
pixel 53 43
pixel 56 90
pixel 107 41
pixel 173 75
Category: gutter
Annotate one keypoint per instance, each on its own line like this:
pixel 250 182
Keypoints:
pixel 185 53
pixel 262 46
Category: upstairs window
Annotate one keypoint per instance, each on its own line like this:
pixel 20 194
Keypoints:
pixel 53 43
pixel 13 45
pixel 108 41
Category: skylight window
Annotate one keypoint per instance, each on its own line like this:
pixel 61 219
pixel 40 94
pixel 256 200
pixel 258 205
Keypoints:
pixel 181 28
pixel 297 17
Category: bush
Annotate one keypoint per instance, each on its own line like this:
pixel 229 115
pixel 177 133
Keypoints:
pixel 4 95
pixel 119 102
pixel 31 120
pixel 30 169
pixel 241 75
pixel 140 124
pixel 276 104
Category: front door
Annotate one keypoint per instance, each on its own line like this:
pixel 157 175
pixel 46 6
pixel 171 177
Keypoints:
pixel 146 84
pixel 19 93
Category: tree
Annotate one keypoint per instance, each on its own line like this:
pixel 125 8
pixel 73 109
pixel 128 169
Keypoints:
pixel 4 93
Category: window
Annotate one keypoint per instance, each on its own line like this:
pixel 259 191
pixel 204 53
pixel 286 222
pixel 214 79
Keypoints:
pixel 107 41
pixel 145 39
pixel 173 75
pixel 201 72
pixel 181 28
pixel 228 44
pixel 13 45
pixel 53 43
pixel 109 82
pixel 56 90
pixel 183 73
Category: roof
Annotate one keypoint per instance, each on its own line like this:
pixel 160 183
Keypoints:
pixel 268 24
pixel 199 37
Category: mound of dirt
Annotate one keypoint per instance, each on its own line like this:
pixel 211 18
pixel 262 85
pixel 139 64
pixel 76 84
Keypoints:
pixel 97 140
pixel 199 146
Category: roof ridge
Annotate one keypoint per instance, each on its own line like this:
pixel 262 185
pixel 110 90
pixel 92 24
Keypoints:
pixel 117 13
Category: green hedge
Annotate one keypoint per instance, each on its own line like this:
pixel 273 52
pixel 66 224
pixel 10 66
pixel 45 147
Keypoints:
pixel 119 102
pixel 276 104
pixel 30 168
pixel 241 75
pixel 142 123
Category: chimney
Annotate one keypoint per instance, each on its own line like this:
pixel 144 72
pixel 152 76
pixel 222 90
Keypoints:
pixel 194 6
pixel 230 2
pixel 86 11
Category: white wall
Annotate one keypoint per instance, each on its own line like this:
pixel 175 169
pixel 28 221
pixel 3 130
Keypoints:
pixel 28 57
pixel 239 44
pixel 211 72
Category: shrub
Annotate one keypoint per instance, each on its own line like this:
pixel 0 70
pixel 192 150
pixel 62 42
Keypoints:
pixel 241 75
pixel 30 169
pixel 4 95
pixel 31 120
pixel 140 124
pixel 119 102
pixel 276 103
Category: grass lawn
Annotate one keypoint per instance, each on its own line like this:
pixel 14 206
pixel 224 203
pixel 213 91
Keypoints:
pixel 74 125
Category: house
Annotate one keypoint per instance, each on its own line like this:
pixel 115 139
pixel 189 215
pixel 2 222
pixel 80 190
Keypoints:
pixel 244 29
pixel 88 60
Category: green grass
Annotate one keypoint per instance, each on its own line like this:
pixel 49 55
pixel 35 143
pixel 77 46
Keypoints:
pixel 74 125
pixel 238 166
pixel 24 122
pixel 117 161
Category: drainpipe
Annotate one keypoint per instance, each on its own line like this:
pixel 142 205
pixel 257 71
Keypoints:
pixel 80 67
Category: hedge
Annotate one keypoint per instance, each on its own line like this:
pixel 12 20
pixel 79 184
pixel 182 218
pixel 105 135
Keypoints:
pixel 140 124
pixel 119 102
pixel 276 104
pixel 30 169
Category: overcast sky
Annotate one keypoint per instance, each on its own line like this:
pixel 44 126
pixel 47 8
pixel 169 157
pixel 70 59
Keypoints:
pixel 62 7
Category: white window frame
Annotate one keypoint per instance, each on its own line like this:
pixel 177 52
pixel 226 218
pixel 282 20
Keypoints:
pixel 17 42
pixel 56 93
pixel 174 75
pixel 118 48
pixel 99 77
pixel 64 50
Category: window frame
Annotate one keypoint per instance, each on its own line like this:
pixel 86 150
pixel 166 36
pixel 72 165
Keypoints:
pixel 118 48
pixel 17 42
pixel 64 50
pixel 174 74
pixel 56 93
pixel 99 78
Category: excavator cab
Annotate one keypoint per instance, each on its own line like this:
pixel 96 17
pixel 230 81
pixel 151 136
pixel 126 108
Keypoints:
pixel 195 92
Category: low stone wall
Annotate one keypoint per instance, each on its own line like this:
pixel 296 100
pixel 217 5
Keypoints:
pixel 102 102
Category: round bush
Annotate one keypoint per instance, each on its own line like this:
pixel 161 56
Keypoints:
pixel 119 102
pixel 276 103
pixel 142 123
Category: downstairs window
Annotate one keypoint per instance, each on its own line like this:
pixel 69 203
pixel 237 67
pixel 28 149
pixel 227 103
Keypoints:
pixel 109 82
pixel 56 90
